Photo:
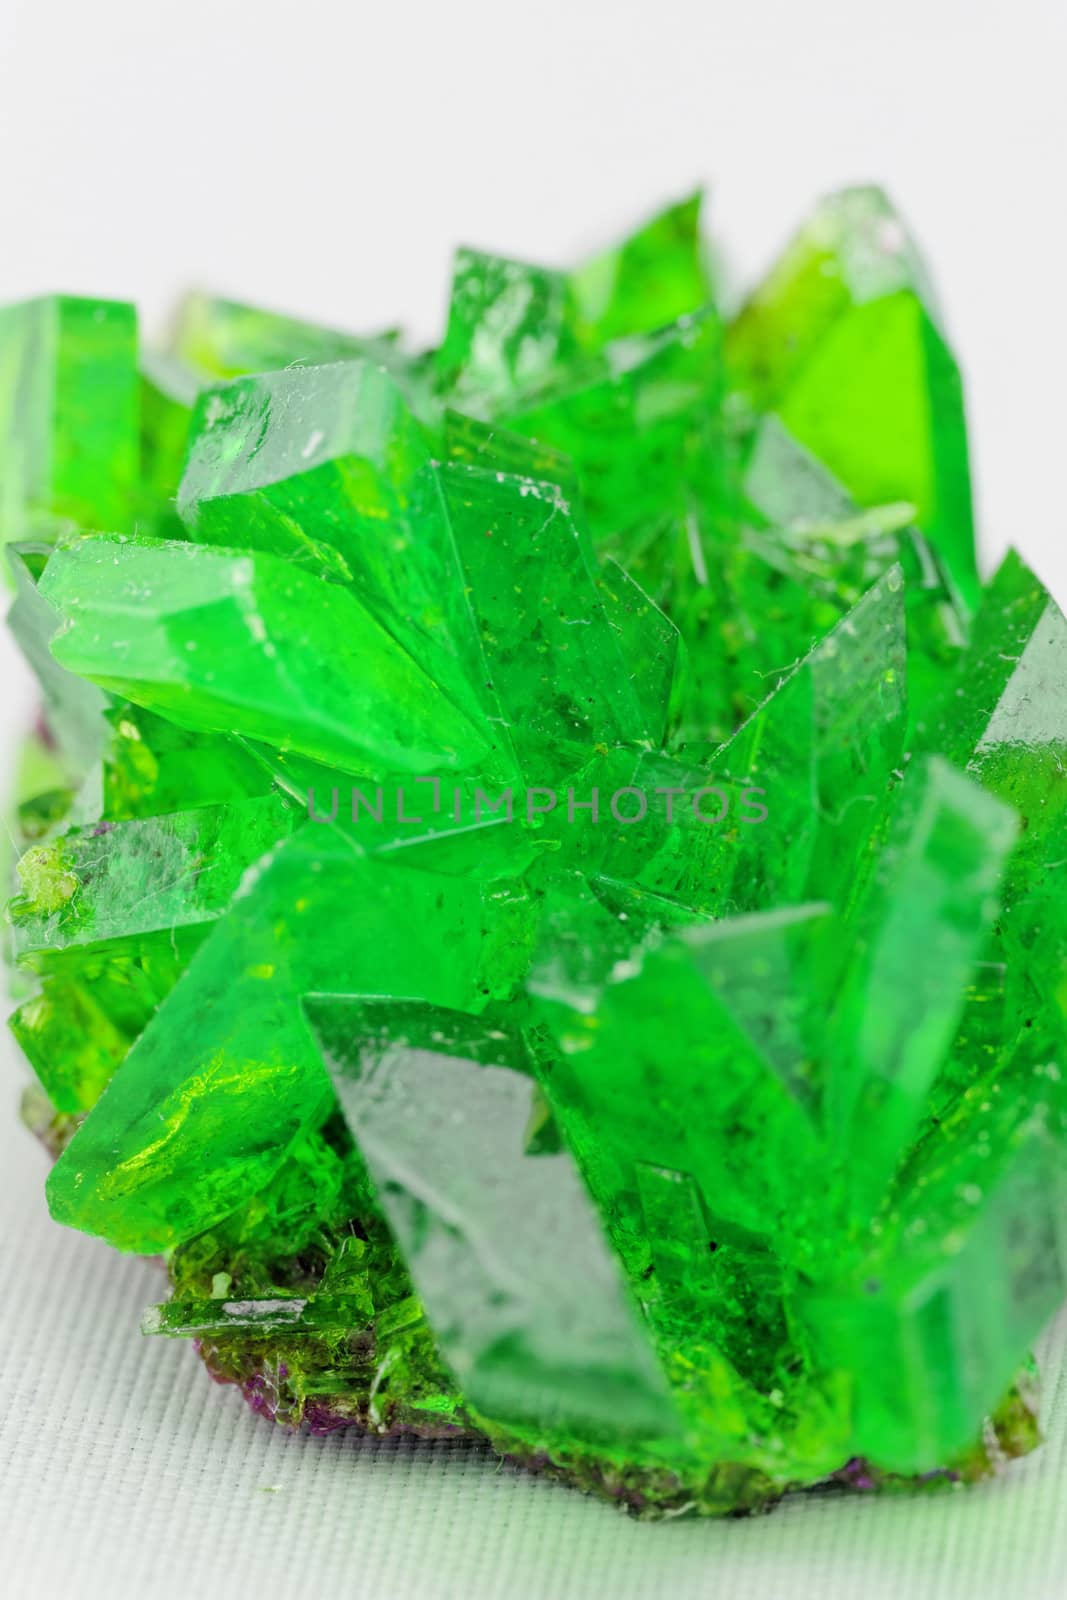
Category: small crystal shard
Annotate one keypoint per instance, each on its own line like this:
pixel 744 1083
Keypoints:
pixel 842 341
pixel 68 415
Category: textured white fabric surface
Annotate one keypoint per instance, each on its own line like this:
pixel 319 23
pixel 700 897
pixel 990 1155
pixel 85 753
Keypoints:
pixel 125 1472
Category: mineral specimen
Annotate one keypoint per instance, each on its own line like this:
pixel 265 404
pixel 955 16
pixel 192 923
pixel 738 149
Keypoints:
pixel 541 894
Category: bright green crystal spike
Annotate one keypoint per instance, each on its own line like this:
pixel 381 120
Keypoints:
pixel 507 331
pixel 515 513
pixel 71 1043
pixel 225 641
pixel 74 708
pixel 1006 697
pixel 553 650
pixel 151 767
pixel 652 649
pixel 77 1030
pixel 590 366
pixel 934 890
pixel 1002 715
pixel 168 394
pixel 638 421
pixel 833 727
pixel 752 581
pixel 471 443
pixel 658 274
pixel 770 593
pixel 504 1248
pixel 1011 1093
pixel 226 1067
pixel 116 883
pixel 943 1315
pixel 792 954
pixel 514 328
pixel 718 1097
pixel 841 340
pixel 327 467
pixel 226 339
pixel 68 415
pixel 823 551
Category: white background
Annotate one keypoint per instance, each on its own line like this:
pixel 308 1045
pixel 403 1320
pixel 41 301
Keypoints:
pixel 325 156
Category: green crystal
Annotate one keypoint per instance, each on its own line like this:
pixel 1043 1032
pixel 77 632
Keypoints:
pixel 660 273
pixel 617 365
pixel 336 448
pixel 537 595
pixel 225 339
pixel 541 874
pixel 91 1007
pixel 834 725
pixel 222 640
pixel 68 415
pixel 842 341
pixel 561 1351
pixel 168 393
pixel 154 767
pixel 514 327
pixel 507 328
pixel 636 421
pixel 316 913
pixel 75 709
pixel 149 876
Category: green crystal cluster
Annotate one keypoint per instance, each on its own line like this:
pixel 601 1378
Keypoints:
pixel 542 890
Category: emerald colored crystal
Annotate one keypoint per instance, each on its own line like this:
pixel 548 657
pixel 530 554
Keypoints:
pixel 68 415
pixel 541 871
pixel 507 328
pixel 617 365
pixel 316 914
pixel 797 1074
pixel 150 875
pixel 168 392
pixel 537 596
pixel 934 887
pixel 514 327
pixel 834 726
pixel 221 640
pixel 226 339
pixel 635 420
pixel 441 1109
pixel 91 1007
pixel 660 273
pixel 843 342
pixel 74 708
pixel 1001 715
pixel 154 767
pixel 327 467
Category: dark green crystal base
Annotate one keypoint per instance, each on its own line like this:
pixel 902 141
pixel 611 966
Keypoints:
pixel 542 889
